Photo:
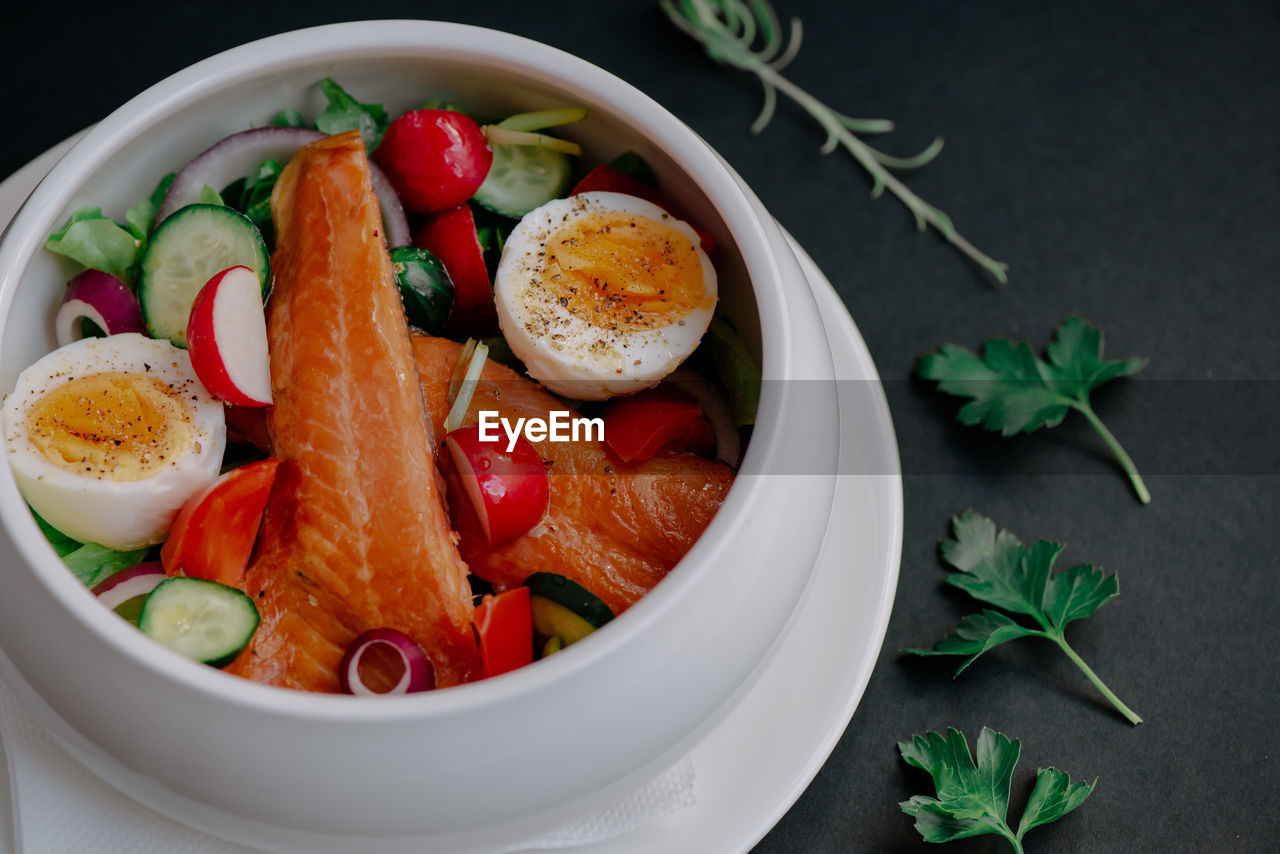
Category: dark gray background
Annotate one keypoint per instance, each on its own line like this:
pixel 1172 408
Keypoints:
pixel 1123 158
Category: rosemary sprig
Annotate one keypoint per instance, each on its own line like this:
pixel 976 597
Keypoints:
pixel 728 31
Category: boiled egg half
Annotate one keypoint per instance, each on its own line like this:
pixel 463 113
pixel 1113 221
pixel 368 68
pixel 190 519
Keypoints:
pixel 108 437
pixel 603 294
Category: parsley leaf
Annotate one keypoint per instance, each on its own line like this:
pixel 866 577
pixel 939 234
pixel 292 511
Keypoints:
pixel 1013 390
pixel 254 196
pixel 998 569
pixel 345 113
pixel 973 798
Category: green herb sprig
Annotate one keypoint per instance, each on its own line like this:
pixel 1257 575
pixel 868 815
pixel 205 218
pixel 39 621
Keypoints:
pixel 1015 391
pixel 998 569
pixel 729 31
pixel 972 799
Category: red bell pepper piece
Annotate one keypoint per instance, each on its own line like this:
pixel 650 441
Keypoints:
pixel 504 630
pixel 638 426
pixel 214 532
pixel 607 179
pixel 451 236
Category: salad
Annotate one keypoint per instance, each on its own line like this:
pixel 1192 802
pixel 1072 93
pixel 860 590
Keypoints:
pixel 304 419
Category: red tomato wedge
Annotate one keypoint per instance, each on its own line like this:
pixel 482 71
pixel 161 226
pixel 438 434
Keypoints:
pixel 508 489
pixel 504 629
pixel 451 236
pixel 434 158
pixel 214 533
pixel 638 426
pixel 607 179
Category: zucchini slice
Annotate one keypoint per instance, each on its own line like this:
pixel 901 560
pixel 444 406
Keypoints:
pixel 571 595
pixel 564 612
pixel 202 620
pixel 557 624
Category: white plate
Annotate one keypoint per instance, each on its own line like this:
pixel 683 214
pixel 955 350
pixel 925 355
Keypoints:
pixel 758 761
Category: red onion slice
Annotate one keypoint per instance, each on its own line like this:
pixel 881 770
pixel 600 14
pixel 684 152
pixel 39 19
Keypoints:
pixel 238 155
pixel 393 218
pixel 231 158
pixel 418 674
pixel 716 409
pixel 101 298
pixel 129 583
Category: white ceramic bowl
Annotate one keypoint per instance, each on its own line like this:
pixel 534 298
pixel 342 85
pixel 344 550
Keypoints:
pixel 481 764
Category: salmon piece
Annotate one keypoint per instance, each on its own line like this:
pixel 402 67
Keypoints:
pixel 615 528
pixel 355 534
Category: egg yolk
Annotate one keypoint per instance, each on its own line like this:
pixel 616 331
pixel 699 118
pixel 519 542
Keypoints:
pixel 111 425
pixel 621 270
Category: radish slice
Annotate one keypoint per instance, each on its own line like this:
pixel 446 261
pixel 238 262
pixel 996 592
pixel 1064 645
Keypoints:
pixel 227 338
pixel 238 155
pixel 509 490
pixel 416 672
pixel 125 591
pixel 716 409
pixel 101 298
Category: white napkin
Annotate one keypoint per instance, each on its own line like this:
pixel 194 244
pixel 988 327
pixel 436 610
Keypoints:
pixel 58 805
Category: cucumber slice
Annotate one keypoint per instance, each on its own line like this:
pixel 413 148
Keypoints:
pixel 184 253
pixel 524 177
pixel 425 288
pixel 571 595
pixel 203 620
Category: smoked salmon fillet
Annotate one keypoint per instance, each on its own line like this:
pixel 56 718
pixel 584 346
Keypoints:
pixel 613 527
pixel 355 534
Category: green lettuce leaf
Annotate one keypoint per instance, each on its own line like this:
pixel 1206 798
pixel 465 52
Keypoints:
pixel 739 373
pixel 92 563
pixel 289 119
pixel 345 113
pixel 89 562
pixel 210 196
pixel 97 242
pixel 141 218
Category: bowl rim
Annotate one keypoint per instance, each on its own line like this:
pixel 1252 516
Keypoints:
pixel 431 41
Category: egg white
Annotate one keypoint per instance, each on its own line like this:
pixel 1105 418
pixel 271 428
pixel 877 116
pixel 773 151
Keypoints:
pixel 117 514
pixel 568 364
